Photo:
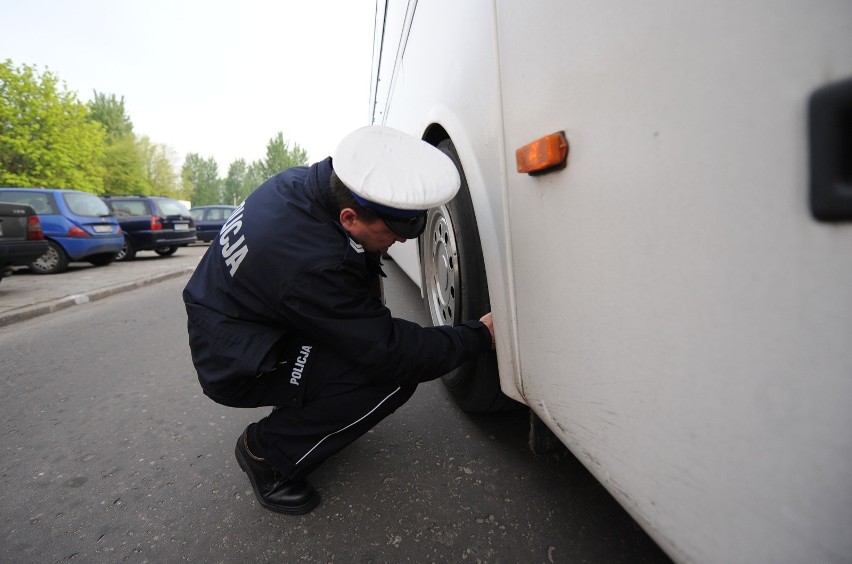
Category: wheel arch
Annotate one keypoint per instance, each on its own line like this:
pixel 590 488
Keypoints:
pixel 435 133
pixel 490 218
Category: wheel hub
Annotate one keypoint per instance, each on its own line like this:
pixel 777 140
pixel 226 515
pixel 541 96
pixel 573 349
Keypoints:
pixel 442 277
pixel 48 260
pixel 443 274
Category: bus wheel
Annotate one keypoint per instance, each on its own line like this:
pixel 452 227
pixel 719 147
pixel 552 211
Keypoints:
pixel 456 290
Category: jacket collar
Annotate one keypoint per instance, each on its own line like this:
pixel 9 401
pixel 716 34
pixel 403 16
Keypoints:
pixel 319 180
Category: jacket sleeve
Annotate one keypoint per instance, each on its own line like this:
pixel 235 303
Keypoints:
pixel 333 306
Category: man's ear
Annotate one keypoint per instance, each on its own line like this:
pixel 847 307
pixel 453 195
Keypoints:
pixel 347 218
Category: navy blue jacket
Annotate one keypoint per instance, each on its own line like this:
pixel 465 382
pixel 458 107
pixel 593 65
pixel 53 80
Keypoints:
pixel 282 267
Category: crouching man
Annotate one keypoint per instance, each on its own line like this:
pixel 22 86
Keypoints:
pixel 285 308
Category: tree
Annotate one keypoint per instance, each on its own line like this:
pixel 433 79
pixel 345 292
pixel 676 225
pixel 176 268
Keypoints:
pixel 242 179
pixel 124 162
pixel 110 112
pixel 255 176
pixel 46 138
pixel 233 189
pixel 201 179
pixel 279 156
pixel 159 172
pixel 124 172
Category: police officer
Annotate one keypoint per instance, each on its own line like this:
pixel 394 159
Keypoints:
pixel 285 308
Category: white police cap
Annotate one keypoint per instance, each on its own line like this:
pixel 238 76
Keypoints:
pixel 394 169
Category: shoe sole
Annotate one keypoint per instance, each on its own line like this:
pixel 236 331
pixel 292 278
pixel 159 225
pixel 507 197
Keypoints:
pixel 298 510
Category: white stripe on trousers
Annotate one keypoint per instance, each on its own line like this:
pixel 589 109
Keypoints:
pixel 348 426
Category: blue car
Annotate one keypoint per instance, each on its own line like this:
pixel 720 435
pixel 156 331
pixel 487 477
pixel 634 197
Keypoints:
pixel 78 226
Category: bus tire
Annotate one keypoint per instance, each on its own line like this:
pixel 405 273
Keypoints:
pixel 456 290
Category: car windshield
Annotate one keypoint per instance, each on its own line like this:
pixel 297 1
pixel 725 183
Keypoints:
pixel 197 214
pixel 172 207
pixel 87 205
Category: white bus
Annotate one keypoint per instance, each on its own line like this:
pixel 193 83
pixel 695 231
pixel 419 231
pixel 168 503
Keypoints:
pixel 671 275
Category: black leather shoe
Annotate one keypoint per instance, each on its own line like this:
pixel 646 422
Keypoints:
pixel 272 490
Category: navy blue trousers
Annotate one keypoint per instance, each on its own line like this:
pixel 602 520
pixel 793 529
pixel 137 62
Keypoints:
pixel 322 404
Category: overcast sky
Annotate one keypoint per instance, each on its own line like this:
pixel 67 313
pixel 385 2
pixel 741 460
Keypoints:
pixel 213 77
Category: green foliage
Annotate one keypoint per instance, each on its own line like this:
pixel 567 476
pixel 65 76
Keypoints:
pixel 124 157
pixel 255 176
pixel 279 156
pixel 242 179
pixel 201 179
pixel 110 112
pixel 233 188
pixel 159 172
pixel 46 138
pixel 124 168
pixel 49 138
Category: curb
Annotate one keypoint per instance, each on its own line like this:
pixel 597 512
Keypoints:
pixel 36 310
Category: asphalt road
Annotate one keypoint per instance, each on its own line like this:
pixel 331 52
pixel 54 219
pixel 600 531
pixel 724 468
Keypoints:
pixel 110 452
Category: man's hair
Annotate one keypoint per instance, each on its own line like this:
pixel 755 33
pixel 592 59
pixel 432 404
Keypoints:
pixel 344 199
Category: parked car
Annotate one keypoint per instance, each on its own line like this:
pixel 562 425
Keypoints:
pixel 209 220
pixel 152 223
pixel 21 237
pixel 78 226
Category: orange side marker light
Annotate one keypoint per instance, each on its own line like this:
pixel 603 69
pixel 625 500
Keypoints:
pixel 543 155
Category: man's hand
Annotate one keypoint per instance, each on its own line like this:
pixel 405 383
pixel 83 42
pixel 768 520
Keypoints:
pixel 486 319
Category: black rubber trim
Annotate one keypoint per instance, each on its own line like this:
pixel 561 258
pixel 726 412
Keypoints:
pixel 830 117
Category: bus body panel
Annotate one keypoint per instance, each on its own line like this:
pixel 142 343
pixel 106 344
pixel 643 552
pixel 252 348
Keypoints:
pixel 665 303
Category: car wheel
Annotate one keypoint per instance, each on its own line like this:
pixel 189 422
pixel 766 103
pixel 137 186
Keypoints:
pixel 53 261
pixel 456 290
pixel 101 259
pixel 127 252
pixel 165 251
